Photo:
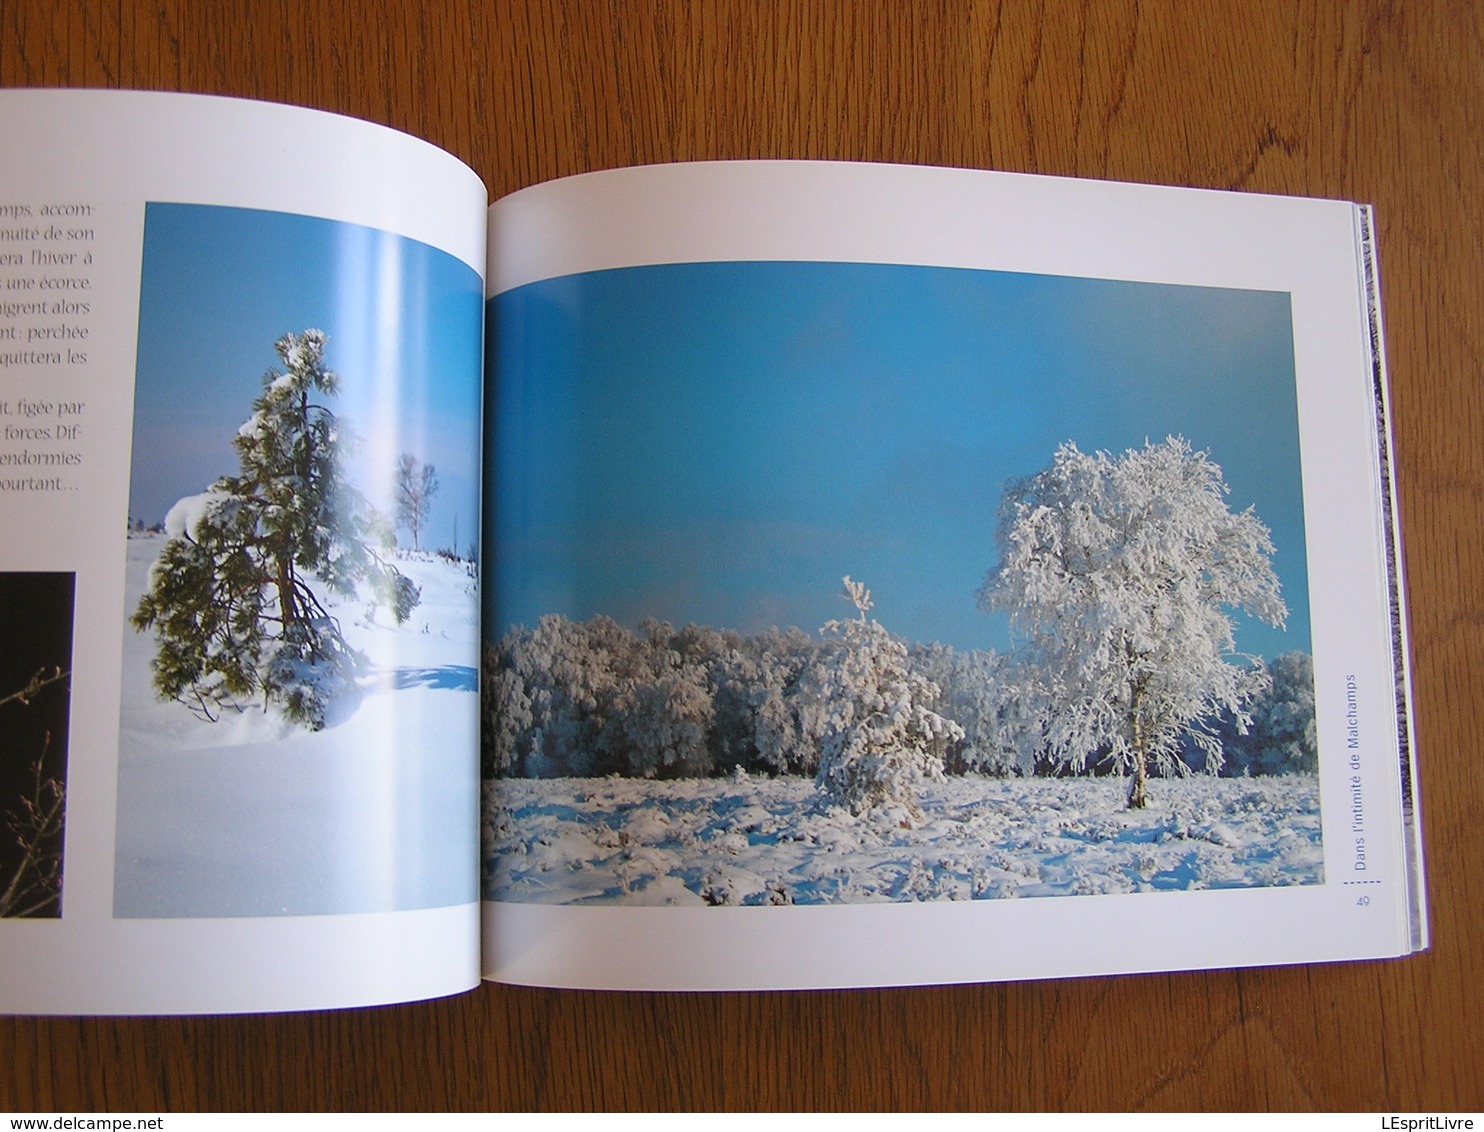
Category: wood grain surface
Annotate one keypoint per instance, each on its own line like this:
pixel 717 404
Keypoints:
pixel 1372 100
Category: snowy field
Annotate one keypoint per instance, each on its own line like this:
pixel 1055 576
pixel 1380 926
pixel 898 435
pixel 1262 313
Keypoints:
pixel 252 816
pixel 766 841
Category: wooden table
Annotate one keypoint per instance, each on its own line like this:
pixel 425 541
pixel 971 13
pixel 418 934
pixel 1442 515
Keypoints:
pixel 1361 99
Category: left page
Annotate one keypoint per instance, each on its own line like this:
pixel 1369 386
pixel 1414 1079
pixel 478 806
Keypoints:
pixel 239 405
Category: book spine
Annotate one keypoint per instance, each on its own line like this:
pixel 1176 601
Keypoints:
pixel 1396 588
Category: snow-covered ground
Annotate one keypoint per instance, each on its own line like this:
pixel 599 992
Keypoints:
pixel 252 816
pixel 767 841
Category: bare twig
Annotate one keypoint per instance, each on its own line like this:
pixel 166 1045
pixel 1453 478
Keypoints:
pixel 36 882
pixel 41 680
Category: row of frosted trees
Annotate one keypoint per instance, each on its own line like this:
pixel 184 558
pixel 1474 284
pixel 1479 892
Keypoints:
pixel 591 697
pixel 1120 575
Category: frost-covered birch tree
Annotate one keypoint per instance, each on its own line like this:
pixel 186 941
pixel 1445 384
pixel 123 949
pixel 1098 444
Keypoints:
pixel 1118 574
pixel 234 598
pixel 416 484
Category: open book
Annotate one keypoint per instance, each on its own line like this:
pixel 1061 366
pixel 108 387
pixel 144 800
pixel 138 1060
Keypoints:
pixel 711 576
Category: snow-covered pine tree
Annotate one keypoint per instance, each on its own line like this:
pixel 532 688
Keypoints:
pixel 1116 573
pixel 230 597
pixel 880 739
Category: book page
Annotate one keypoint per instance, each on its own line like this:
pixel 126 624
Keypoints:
pixel 239 400
pixel 909 576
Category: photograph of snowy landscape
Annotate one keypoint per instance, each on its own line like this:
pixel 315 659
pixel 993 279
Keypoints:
pixel 841 583
pixel 300 684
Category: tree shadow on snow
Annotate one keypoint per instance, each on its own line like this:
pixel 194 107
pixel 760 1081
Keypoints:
pixel 444 678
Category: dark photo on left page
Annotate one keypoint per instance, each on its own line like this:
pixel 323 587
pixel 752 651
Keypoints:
pixel 35 702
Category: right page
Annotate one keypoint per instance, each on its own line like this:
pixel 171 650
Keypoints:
pixel 902 575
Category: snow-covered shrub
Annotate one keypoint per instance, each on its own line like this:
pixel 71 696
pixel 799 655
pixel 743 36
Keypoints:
pixel 880 739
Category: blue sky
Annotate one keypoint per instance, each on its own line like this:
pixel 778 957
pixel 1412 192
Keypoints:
pixel 221 285
pixel 721 442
